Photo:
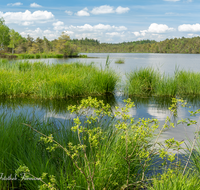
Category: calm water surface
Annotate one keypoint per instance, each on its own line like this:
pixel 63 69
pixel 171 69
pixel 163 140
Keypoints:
pixel 166 63
pixel 146 107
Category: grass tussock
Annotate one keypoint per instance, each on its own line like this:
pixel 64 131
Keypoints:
pixel 119 61
pixel 147 81
pixel 54 81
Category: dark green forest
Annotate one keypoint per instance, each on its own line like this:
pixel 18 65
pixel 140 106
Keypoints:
pixel 176 45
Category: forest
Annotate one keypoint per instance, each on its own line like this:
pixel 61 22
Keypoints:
pixel 176 45
pixel 11 42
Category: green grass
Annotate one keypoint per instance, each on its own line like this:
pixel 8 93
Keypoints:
pixel 147 81
pixel 174 180
pixel 54 81
pixel 119 61
pixel 20 145
pixel 39 56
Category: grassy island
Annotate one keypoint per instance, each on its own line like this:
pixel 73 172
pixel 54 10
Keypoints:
pixel 147 81
pixel 42 80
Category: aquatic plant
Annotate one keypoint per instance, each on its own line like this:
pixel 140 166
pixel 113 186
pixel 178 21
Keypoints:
pixel 119 61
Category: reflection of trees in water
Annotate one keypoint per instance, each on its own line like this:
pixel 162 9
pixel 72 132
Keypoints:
pixel 163 102
pixel 52 105
pixel 60 105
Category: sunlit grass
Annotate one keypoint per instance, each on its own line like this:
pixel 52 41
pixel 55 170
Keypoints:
pixel 54 81
pixel 147 81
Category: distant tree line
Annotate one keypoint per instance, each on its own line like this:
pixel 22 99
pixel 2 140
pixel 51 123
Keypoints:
pixel 181 45
pixel 12 42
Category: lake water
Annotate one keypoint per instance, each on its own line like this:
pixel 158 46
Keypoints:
pixel 147 107
pixel 166 63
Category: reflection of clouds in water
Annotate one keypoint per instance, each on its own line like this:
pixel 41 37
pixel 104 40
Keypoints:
pixel 157 114
pixel 59 116
pixel 181 131
pixel 132 111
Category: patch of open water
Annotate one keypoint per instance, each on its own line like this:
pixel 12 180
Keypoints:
pixel 146 107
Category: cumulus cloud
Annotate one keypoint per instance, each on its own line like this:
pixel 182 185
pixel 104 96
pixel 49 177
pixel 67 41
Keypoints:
pixel 15 4
pixel 113 34
pixel 27 16
pixel 192 35
pixel 121 10
pixel 69 12
pixel 35 5
pixel 154 28
pixel 88 28
pixel 69 32
pixel 98 27
pixel 83 12
pixel 104 32
pixel 40 33
pixel 137 34
pixel 58 25
pixel 104 9
pixel 189 28
pixel 27 23
pixel 159 28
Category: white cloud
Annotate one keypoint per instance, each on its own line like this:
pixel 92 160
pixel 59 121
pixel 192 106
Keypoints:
pixel 189 28
pixel 85 27
pixel 15 4
pixel 154 28
pixel 113 34
pixel 137 34
pixel 105 9
pixel 121 10
pixel 154 32
pixel 27 16
pixel 159 28
pixel 98 27
pixel 51 35
pixel 69 12
pixel 83 12
pixel 69 32
pixel 35 5
pixel 47 32
pixel 27 23
pixel 58 25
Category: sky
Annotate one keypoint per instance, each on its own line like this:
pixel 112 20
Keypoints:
pixel 110 21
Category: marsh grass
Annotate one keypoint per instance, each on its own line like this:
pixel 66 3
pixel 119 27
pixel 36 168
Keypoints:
pixel 142 81
pixel 20 145
pixel 38 56
pixel 147 81
pixel 119 61
pixel 173 179
pixel 54 81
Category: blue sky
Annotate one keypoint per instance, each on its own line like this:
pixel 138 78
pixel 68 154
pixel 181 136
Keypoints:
pixel 110 21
